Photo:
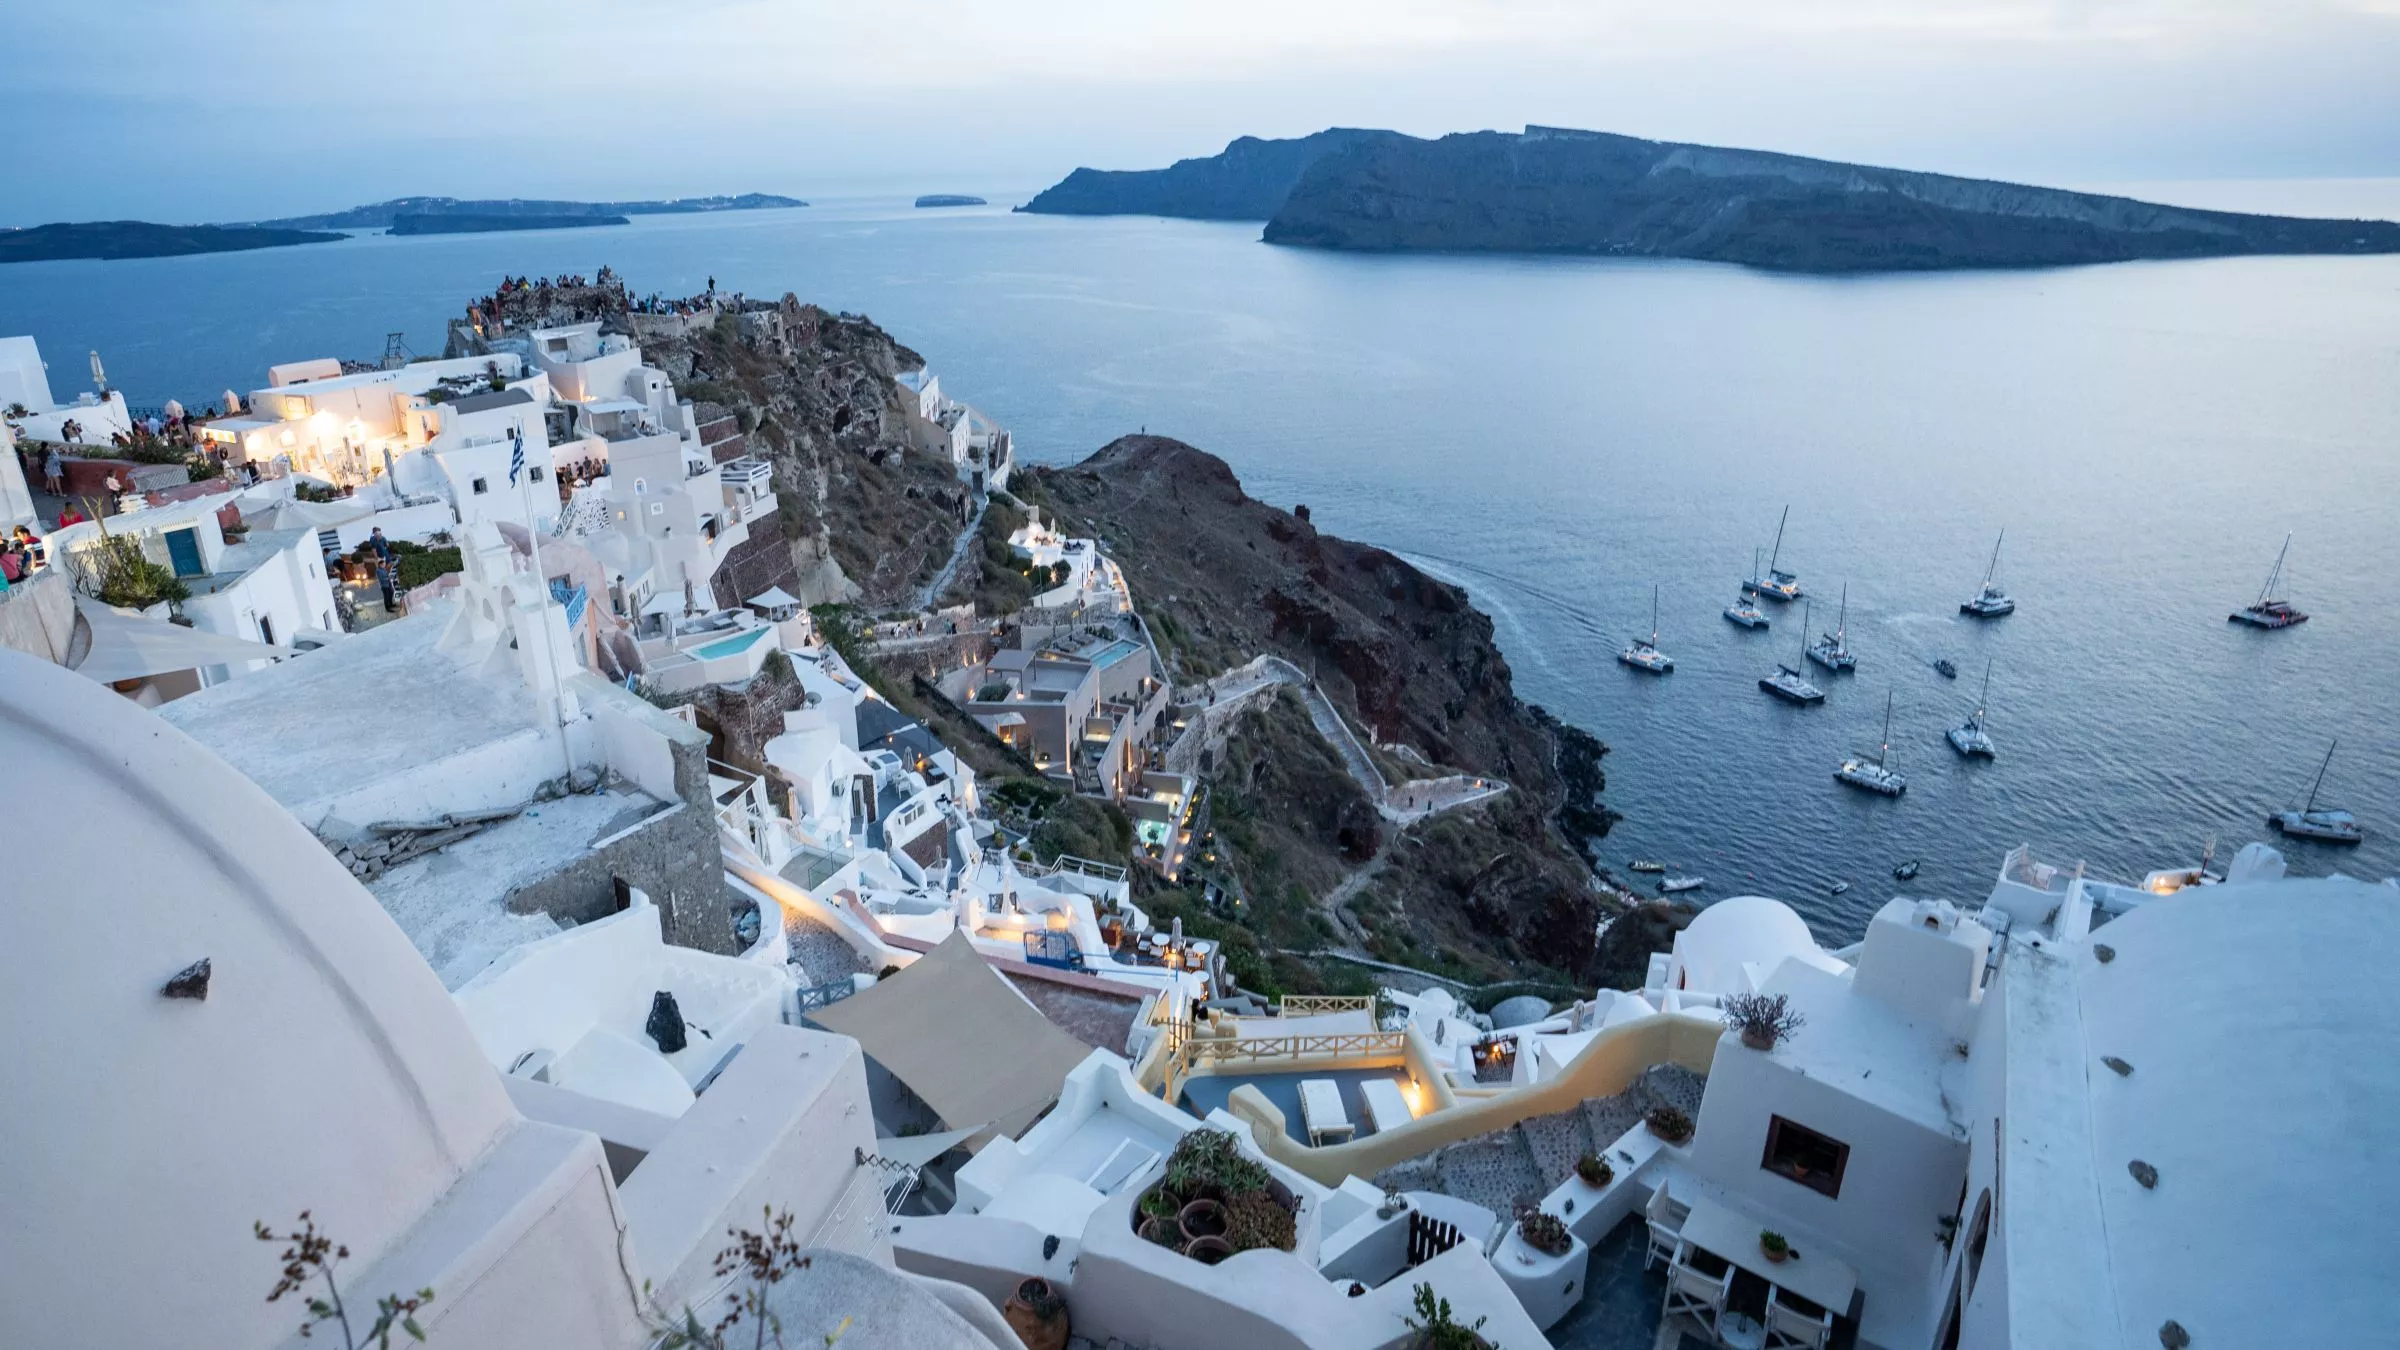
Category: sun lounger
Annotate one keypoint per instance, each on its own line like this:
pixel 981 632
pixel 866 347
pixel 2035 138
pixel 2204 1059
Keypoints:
pixel 1385 1105
pixel 1321 1111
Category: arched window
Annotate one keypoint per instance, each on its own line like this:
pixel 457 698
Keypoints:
pixel 1979 1235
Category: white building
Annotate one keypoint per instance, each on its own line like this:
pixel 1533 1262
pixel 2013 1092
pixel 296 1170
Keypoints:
pixel 263 585
pixel 346 429
pixel 254 1040
pixel 25 384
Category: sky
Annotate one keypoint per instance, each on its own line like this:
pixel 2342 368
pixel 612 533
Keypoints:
pixel 247 109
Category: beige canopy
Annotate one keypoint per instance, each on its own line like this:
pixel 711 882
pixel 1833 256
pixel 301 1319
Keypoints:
pixel 951 1028
pixel 129 646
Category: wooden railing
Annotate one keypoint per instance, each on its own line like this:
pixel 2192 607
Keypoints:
pixel 1318 1005
pixel 1193 1051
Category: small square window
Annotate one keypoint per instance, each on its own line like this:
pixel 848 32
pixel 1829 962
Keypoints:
pixel 1800 1154
pixel 481 487
pixel 536 471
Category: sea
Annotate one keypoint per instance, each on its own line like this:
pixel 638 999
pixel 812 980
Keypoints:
pixel 1562 435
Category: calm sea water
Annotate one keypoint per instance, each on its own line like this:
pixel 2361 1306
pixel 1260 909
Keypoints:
pixel 1558 435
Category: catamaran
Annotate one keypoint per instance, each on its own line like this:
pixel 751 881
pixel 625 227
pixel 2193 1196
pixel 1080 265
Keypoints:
pixel 1643 655
pixel 1832 651
pixel 2326 827
pixel 1991 602
pixel 1774 583
pixel 1969 738
pixel 1744 612
pixel 1875 775
pixel 1787 682
pixel 2267 611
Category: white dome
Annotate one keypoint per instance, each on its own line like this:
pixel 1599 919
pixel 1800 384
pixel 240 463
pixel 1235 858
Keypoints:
pixel 1732 933
pixel 325 1070
pixel 1521 1010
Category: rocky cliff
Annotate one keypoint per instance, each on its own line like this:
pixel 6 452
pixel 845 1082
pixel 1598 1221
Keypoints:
pixel 1248 180
pixel 1552 190
pixel 1497 890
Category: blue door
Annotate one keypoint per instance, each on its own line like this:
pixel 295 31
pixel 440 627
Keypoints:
pixel 183 551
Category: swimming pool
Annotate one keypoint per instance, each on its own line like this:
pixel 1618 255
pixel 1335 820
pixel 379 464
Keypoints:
pixel 732 646
pixel 1114 652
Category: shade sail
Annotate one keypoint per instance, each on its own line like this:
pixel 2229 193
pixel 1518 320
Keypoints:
pixel 775 598
pixel 130 647
pixel 952 1029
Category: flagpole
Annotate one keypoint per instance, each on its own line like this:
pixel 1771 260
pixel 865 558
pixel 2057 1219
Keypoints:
pixel 533 544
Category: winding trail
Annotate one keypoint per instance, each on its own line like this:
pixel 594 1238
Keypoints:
pixel 958 554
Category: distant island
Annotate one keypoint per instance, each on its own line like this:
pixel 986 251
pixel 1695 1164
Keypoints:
pixel 949 199
pixel 466 224
pixel 380 215
pixel 115 239
pixel 1248 181
pixel 1552 190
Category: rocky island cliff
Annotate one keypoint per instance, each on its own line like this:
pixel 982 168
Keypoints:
pixel 1247 180
pixel 1551 190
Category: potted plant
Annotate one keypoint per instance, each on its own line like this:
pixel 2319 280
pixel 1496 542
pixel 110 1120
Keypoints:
pixel 1775 1246
pixel 1545 1233
pixel 1763 1022
pixel 1202 1218
pixel 1257 1219
pixel 1669 1123
pixel 1437 1330
pixel 1208 1250
pixel 1038 1314
pixel 1594 1170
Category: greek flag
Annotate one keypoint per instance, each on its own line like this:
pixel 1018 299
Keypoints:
pixel 516 459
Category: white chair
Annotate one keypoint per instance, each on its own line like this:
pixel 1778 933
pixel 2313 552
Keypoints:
pixel 1701 1297
pixel 1791 1327
pixel 1666 1226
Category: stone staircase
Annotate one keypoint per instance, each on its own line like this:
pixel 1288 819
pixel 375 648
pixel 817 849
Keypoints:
pixel 1514 1168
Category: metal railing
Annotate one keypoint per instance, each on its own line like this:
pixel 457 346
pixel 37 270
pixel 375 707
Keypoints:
pixel 814 996
pixel 1192 1051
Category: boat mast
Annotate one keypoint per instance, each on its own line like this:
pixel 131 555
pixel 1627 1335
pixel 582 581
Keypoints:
pixel 1884 752
pixel 1807 612
pixel 1777 555
pixel 1985 696
pixel 2312 788
pixel 1653 613
pixel 2266 593
pixel 1841 621
pixel 1993 570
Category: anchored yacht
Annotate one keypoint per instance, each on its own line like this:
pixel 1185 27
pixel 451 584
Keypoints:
pixel 1643 655
pixel 1788 683
pixel 1671 885
pixel 1875 774
pixel 1744 612
pixel 2267 611
pixel 1969 738
pixel 1832 651
pixel 2327 826
pixel 1991 602
pixel 1774 583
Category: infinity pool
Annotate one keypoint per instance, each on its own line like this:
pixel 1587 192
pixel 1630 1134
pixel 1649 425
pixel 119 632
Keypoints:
pixel 732 646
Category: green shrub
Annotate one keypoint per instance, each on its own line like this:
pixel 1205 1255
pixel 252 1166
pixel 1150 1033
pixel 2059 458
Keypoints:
pixel 423 565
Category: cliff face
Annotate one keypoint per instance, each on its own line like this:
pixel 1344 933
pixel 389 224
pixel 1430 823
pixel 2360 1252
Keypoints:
pixel 1247 181
pixel 1588 192
pixel 1497 889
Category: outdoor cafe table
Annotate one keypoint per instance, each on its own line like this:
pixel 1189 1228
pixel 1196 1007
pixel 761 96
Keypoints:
pixel 1820 1278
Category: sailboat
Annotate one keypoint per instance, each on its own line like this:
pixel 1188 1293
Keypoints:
pixel 1643 655
pixel 1787 683
pixel 1832 651
pixel 1991 602
pixel 1774 583
pixel 1969 738
pixel 1875 775
pixel 1744 610
pixel 2326 827
pixel 2267 611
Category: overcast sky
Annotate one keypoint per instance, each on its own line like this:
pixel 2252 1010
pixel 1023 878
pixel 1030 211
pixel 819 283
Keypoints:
pixel 240 109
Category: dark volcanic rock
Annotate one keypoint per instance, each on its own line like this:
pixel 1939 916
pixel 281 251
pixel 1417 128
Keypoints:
pixel 141 239
pixel 470 224
pixel 1552 190
pixel 1247 181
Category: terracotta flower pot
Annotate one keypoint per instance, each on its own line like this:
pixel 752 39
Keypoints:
pixel 1208 1250
pixel 1161 1231
pixel 1038 1315
pixel 1778 1257
pixel 1202 1219
pixel 1761 1041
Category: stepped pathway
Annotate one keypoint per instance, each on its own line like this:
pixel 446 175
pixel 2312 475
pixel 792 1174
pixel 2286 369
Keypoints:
pixel 958 553
pixel 1514 1168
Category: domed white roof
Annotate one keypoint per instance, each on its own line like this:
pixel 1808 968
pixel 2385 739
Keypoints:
pixel 325 1069
pixel 1732 933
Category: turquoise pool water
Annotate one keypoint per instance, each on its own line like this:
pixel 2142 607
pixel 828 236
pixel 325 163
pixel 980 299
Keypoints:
pixel 1114 652
pixel 732 646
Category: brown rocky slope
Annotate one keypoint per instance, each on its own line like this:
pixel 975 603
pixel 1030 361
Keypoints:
pixel 1495 891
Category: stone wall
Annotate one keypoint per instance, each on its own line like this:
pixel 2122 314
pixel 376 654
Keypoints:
pixel 674 858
